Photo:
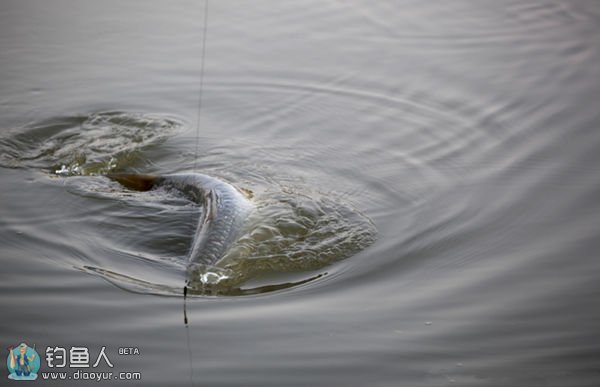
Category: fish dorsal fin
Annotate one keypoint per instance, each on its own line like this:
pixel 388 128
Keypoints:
pixel 135 182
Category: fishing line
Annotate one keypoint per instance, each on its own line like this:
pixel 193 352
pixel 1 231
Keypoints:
pixel 185 287
pixel 202 60
pixel 201 81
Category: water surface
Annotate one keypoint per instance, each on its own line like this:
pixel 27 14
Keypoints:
pixel 462 136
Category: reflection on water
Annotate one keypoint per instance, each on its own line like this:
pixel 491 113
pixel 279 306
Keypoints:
pixel 465 131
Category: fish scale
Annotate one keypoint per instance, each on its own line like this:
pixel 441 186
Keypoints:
pixel 221 223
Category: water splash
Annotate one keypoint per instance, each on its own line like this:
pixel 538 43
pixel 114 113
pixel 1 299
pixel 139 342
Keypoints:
pixel 294 228
pixel 89 144
pixel 290 231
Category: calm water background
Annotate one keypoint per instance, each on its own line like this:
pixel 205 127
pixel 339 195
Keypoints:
pixel 467 131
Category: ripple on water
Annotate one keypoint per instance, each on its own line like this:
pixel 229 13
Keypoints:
pixel 85 144
pixel 140 240
pixel 460 24
pixel 290 231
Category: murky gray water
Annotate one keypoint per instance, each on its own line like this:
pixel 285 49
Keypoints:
pixel 426 174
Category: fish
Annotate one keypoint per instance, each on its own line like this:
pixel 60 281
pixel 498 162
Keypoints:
pixel 224 219
pixel 226 210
